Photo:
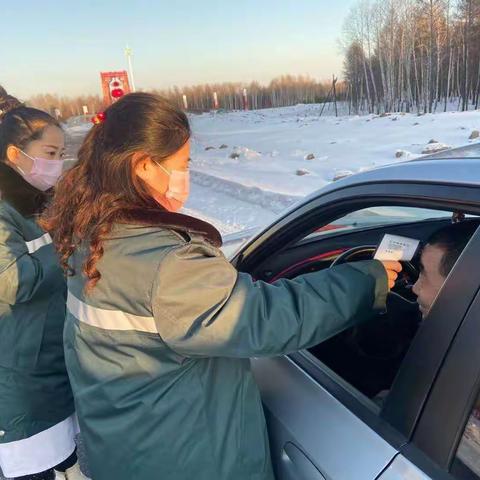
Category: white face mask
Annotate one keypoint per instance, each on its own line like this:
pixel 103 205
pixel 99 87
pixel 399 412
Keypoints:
pixel 44 174
pixel 178 189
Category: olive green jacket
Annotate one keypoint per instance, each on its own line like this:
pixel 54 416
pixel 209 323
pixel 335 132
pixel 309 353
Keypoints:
pixel 158 352
pixel 35 392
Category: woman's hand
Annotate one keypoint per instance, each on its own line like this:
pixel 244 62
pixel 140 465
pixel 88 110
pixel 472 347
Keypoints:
pixel 393 268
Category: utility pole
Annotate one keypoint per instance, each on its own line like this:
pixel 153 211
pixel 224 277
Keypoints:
pixel 128 54
pixel 334 88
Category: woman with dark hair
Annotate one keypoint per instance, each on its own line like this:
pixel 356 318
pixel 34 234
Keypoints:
pixel 37 423
pixel 160 326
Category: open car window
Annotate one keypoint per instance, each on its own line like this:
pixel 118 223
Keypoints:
pixel 368 357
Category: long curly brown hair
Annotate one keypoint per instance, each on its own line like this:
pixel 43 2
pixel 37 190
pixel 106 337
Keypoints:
pixel 92 195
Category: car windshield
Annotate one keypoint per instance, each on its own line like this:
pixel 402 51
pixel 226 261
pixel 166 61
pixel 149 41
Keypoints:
pixel 377 217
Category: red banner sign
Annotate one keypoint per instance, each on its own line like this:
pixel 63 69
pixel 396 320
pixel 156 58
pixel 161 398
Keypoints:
pixel 114 86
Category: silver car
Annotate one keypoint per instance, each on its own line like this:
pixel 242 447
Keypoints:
pixel 396 398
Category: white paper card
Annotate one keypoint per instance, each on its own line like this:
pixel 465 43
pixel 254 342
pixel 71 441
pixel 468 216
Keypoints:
pixel 394 247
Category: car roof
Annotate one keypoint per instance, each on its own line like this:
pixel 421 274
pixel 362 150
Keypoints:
pixel 466 151
pixel 446 171
pixel 459 165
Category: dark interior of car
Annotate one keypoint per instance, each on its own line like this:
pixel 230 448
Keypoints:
pixel 367 356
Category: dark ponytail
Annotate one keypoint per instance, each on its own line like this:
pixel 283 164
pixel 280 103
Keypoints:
pixel 19 124
pixel 7 103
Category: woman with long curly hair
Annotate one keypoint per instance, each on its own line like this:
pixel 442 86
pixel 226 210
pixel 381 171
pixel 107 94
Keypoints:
pixel 37 422
pixel 160 326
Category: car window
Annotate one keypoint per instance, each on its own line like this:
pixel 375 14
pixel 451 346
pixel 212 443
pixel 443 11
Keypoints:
pixel 467 460
pixel 368 357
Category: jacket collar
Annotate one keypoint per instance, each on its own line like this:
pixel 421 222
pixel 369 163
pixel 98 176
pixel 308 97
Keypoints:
pixel 153 217
pixel 22 196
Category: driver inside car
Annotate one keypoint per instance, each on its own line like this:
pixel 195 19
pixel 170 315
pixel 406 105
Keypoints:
pixel 438 257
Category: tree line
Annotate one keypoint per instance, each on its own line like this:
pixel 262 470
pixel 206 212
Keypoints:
pixel 283 91
pixel 412 55
pixel 67 106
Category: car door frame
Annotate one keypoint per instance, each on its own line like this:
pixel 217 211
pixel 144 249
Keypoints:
pixel 440 427
pixel 396 425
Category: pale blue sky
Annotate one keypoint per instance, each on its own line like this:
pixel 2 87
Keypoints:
pixel 61 46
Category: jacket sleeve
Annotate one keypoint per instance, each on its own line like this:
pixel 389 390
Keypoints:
pixel 20 273
pixel 204 307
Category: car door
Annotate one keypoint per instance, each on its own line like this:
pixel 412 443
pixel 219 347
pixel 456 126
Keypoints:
pixel 313 435
pixel 322 428
pixel 446 442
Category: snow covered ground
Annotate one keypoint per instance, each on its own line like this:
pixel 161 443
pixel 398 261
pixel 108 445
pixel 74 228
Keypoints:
pixel 266 163
pixel 249 166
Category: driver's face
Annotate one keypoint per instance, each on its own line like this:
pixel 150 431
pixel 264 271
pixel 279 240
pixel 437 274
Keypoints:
pixel 430 280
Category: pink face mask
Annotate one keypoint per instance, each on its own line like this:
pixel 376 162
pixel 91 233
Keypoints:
pixel 44 174
pixel 178 189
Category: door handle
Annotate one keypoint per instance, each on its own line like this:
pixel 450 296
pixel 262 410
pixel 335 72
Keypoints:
pixel 296 461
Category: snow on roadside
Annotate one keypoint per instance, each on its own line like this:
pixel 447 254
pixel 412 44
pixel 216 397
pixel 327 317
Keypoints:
pixel 247 167
pixel 294 151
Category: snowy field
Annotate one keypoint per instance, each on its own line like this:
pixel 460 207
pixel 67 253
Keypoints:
pixel 249 166
pixel 272 158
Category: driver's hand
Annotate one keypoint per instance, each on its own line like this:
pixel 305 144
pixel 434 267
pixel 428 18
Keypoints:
pixel 393 268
